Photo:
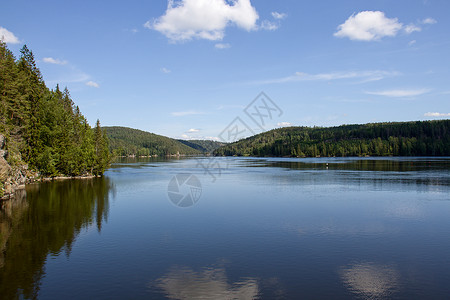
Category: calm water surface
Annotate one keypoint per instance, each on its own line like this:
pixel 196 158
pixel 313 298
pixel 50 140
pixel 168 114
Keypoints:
pixel 259 229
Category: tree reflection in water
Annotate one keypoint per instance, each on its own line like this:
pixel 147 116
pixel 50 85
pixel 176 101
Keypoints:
pixel 46 220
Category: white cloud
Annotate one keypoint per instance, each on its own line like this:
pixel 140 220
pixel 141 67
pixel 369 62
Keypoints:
pixel 400 93
pixel 411 28
pixel 412 42
pixel 203 19
pixel 185 136
pixel 69 74
pixel 429 21
pixel 268 25
pixel 165 70
pixel 278 16
pixel 92 84
pixel 54 61
pixel 436 114
pixel 186 113
pixel 192 130
pixel 368 26
pixel 284 124
pixel 73 76
pixel 8 37
pixel 374 25
pixel 364 76
pixel 222 46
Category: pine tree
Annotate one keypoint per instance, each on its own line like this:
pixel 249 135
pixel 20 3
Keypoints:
pixel 8 88
pixel 31 89
pixel 44 128
pixel 102 156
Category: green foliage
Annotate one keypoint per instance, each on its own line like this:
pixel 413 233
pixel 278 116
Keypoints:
pixel 102 154
pixel 127 142
pixel 204 146
pixel 427 138
pixel 44 127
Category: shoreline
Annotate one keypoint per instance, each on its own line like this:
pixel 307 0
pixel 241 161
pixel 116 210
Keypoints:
pixel 10 189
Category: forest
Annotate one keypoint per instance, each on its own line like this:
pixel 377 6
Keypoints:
pixel 126 141
pixel 43 127
pixel 45 130
pixel 420 138
pixel 205 146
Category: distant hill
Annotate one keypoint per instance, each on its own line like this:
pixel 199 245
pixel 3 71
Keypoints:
pixel 205 146
pixel 126 141
pixel 421 138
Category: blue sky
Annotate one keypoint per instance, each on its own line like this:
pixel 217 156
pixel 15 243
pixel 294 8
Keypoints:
pixel 187 69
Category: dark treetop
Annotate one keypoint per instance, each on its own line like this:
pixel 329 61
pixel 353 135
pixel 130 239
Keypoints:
pixel 44 128
pixel 427 138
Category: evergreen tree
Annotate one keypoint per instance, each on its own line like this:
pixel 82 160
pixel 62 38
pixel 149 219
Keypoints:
pixel 398 139
pixel 31 91
pixel 102 156
pixel 43 127
pixel 8 88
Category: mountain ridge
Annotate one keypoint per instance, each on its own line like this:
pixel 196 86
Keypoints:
pixel 126 141
pixel 414 138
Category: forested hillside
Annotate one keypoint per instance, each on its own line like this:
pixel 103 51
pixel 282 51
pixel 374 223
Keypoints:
pixel 127 141
pixel 205 146
pixel 426 138
pixel 43 128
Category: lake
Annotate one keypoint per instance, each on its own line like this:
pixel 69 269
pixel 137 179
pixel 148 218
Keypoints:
pixel 234 228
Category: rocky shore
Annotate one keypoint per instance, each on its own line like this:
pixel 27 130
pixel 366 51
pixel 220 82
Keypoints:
pixel 14 178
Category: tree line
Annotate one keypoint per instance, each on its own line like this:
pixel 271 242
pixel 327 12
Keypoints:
pixel 126 141
pixel 421 138
pixel 44 128
pixel 205 146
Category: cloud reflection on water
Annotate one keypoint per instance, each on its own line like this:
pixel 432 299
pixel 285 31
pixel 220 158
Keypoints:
pixel 210 283
pixel 370 280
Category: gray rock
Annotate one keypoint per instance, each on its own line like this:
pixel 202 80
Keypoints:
pixel 5 169
pixel 2 141
pixel 8 188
